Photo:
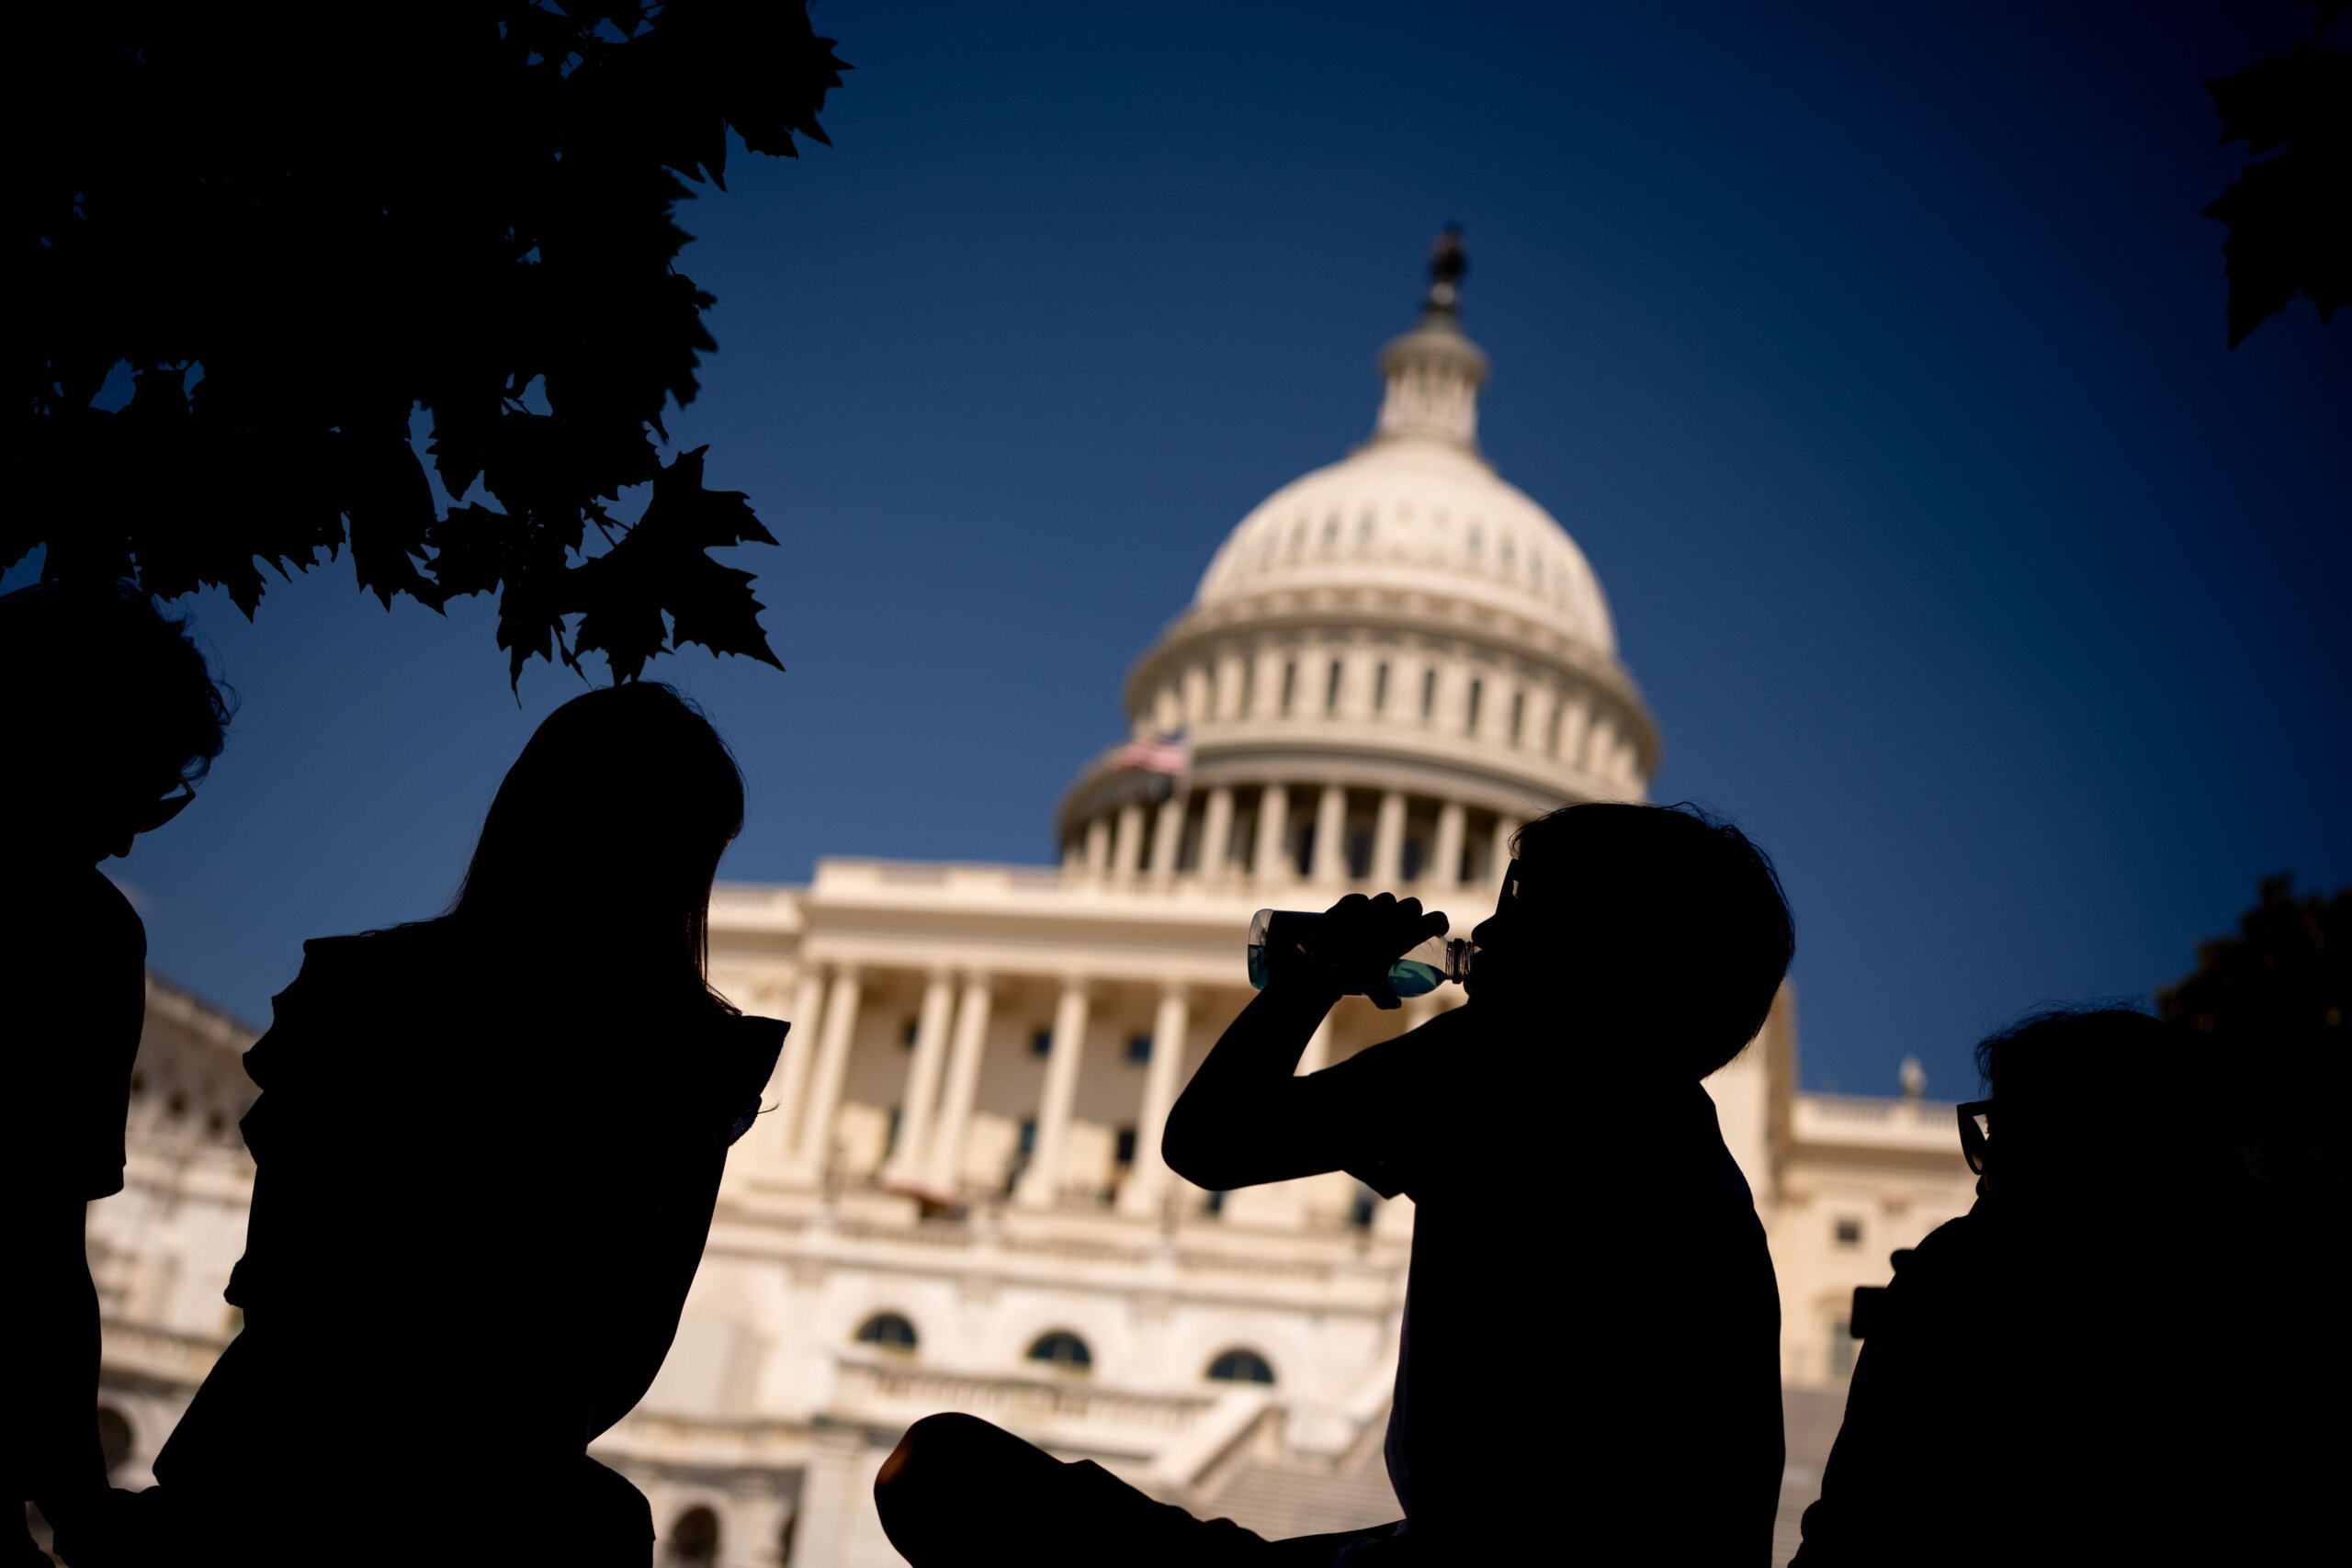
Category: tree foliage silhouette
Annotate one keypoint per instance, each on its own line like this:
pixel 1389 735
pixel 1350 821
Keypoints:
pixel 2275 1002
pixel 2290 214
pixel 310 230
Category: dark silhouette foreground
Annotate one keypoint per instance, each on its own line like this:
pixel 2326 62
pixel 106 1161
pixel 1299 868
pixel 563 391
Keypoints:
pixel 113 719
pixel 484 197
pixel 2127 1352
pixel 489 1146
pixel 1554 1127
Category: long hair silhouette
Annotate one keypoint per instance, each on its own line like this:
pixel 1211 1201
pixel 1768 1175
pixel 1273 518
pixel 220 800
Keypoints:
pixel 614 818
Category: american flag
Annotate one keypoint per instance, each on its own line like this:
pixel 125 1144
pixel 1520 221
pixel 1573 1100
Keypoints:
pixel 1157 754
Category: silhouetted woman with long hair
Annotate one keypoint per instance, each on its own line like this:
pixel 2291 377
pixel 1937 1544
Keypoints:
pixel 489 1146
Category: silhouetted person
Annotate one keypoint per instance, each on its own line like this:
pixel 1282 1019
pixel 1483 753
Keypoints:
pixel 112 716
pixel 1590 1362
pixel 488 1149
pixel 2112 1358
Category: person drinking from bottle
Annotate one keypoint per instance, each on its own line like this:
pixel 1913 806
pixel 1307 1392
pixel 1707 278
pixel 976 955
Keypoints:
pixel 1590 1358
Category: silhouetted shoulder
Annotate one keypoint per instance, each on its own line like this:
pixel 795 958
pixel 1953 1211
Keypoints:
pixel 73 984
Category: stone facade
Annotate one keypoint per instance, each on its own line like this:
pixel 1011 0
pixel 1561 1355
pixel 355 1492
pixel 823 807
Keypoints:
pixel 955 1200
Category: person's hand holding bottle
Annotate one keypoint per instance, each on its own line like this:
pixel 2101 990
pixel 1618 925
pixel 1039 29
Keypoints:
pixel 1352 947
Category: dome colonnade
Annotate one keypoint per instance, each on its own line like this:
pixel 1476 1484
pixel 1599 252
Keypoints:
pixel 1390 664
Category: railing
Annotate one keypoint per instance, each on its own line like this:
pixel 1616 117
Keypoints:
pixel 879 1389
pixel 1907 1123
pixel 181 1359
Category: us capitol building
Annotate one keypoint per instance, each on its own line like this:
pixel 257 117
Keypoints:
pixel 958 1202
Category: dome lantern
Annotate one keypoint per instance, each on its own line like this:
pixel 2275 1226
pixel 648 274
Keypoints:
pixel 1434 372
pixel 1391 662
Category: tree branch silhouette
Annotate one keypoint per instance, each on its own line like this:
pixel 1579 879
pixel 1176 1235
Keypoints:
pixel 2287 213
pixel 310 230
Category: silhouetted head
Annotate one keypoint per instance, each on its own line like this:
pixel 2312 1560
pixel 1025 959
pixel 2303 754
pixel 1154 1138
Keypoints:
pixel 1661 918
pixel 602 842
pixel 2075 1094
pixel 114 715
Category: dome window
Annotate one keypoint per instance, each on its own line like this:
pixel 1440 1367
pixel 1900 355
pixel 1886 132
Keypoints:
pixel 1477 542
pixel 1510 555
pixel 1063 1351
pixel 1241 1366
pixel 890 1331
pixel 1332 530
pixel 1363 528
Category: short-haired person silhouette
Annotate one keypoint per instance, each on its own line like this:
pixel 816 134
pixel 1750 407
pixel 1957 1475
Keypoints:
pixel 113 717
pixel 1591 1360
pixel 2110 1357
pixel 488 1149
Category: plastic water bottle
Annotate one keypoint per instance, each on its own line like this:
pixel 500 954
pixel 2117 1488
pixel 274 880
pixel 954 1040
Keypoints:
pixel 1421 971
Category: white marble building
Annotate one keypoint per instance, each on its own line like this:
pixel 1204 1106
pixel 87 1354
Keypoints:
pixel 957 1202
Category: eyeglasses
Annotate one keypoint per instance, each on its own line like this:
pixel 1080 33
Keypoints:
pixel 153 815
pixel 1976 1133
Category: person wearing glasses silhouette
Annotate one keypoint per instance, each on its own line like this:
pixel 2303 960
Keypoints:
pixel 114 717
pixel 2106 1358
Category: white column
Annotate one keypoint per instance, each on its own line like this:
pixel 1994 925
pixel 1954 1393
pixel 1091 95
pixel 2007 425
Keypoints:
pixel 825 1078
pixel 1330 866
pixel 1041 1183
pixel 1168 834
pixel 1225 690
pixel 1388 843
pixel 1196 695
pixel 1445 859
pixel 962 1086
pixel 1273 817
pixel 1573 714
pixel 783 1133
pixel 1098 846
pixel 1127 848
pixel 911 1158
pixel 1504 828
pixel 1216 826
pixel 1146 1183
pixel 1599 734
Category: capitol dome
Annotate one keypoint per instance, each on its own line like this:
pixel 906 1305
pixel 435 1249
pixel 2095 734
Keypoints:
pixel 1390 663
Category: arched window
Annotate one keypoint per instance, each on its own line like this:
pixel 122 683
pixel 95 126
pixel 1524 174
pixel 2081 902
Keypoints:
pixel 1063 1350
pixel 889 1330
pixel 1241 1366
pixel 114 1437
pixel 693 1538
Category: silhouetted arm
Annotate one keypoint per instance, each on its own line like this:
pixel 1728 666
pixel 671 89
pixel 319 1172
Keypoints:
pixel 52 1417
pixel 1247 1117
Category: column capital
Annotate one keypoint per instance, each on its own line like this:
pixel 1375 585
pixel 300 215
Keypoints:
pixel 1176 990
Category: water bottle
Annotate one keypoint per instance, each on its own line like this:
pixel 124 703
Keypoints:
pixel 1421 971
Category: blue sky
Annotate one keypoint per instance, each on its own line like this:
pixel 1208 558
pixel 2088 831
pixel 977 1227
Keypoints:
pixel 1874 353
